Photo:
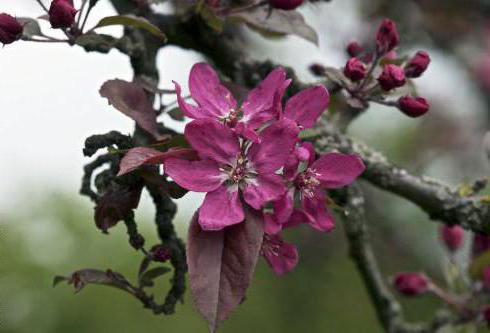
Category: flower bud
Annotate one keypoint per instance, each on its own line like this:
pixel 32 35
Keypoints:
pixel 391 77
pixel 481 243
pixel 411 284
pixel 485 277
pixel 62 13
pixel 413 106
pixel 161 253
pixel 285 4
pixel 354 49
pixel 486 314
pixel 417 65
pixel 452 236
pixel 387 37
pixel 355 69
pixel 10 29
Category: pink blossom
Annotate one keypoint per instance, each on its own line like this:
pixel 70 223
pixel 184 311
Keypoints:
pixel 263 104
pixel 231 169
pixel 281 256
pixel 329 171
pixel 215 101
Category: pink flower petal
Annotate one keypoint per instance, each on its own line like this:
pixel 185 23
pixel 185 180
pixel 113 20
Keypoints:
pixel 197 176
pixel 316 212
pixel 276 143
pixel 264 188
pixel 281 256
pixel 259 105
pixel 213 140
pixel 207 90
pixel 220 209
pixel 188 110
pixel 311 151
pixel 271 225
pixel 283 207
pixel 247 132
pixel 306 106
pixel 336 170
pixel 297 217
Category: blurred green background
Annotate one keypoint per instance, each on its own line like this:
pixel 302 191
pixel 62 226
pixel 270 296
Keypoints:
pixel 56 236
pixel 47 229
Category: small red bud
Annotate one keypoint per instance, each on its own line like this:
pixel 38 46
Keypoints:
pixel 62 13
pixel 354 49
pixel 161 253
pixel 355 69
pixel 413 106
pixel 486 314
pixel 391 77
pixel 10 29
pixel 485 277
pixel 285 4
pixel 417 65
pixel 411 284
pixel 387 37
pixel 481 243
pixel 452 236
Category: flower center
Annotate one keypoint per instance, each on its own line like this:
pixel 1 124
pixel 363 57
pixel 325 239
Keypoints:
pixel 307 182
pixel 232 118
pixel 239 171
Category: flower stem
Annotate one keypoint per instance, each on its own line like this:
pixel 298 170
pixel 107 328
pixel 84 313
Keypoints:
pixel 42 5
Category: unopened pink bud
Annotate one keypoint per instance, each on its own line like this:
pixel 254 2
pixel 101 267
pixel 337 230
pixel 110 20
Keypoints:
pixel 285 4
pixel 413 106
pixel 452 236
pixel 161 253
pixel 411 284
pixel 355 69
pixel 354 49
pixel 417 65
pixel 387 37
pixel 485 277
pixel 10 29
pixel 62 14
pixel 391 77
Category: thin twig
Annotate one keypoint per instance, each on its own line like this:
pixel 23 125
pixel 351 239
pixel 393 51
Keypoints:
pixel 43 6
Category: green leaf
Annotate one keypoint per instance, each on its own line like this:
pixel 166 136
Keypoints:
pixel 478 264
pixel 176 114
pixel 132 21
pixel 212 20
pixel 146 279
pixel 276 23
pixel 96 42
pixel 31 27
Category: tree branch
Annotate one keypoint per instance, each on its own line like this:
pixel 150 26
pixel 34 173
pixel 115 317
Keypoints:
pixel 437 199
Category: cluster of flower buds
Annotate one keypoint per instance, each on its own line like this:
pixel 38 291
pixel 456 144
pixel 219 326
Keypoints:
pixel 62 14
pixel 10 29
pixel 373 74
pixel 251 156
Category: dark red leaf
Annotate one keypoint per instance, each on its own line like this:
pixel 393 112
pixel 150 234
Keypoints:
pixel 116 204
pixel 131 99
pixel 139 156
pixel 221 265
